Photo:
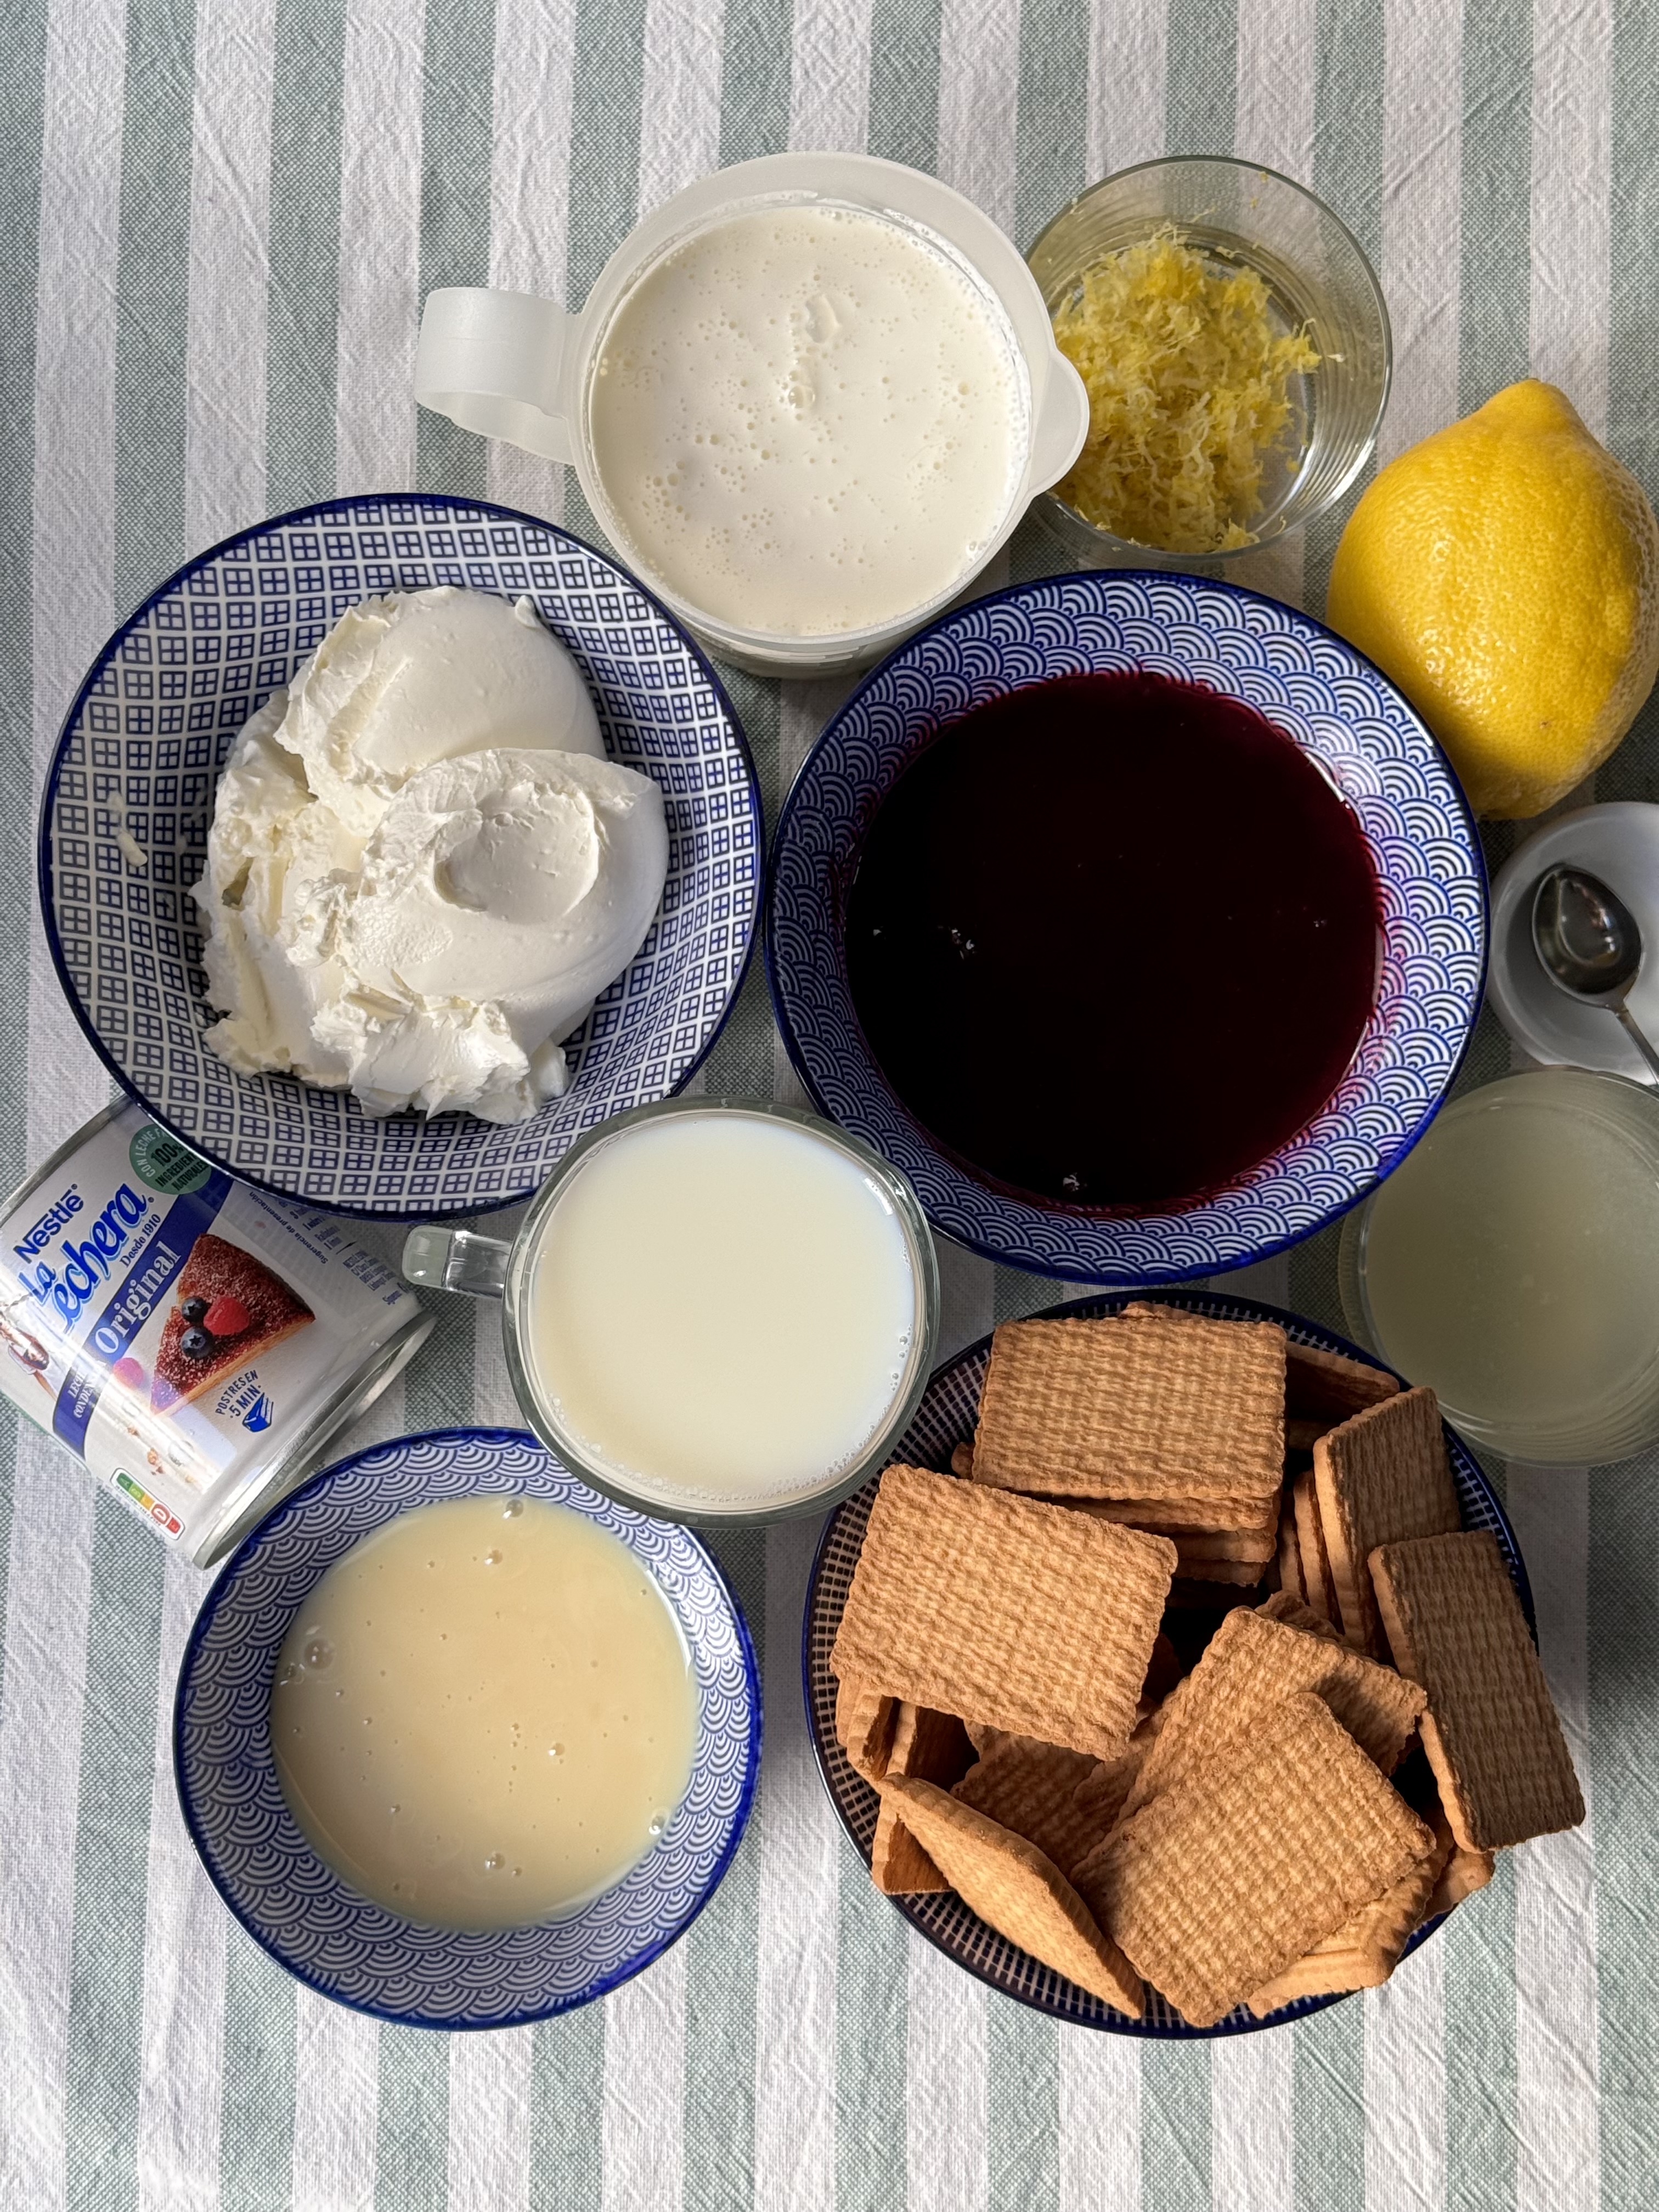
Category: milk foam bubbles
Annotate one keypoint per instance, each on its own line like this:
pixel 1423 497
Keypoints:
pixel 809 419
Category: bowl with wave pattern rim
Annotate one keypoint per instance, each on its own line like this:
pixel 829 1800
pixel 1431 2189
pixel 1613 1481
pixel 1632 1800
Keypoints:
pixel 327 1934
pixel 1310 684
pixel 945 1417
pixel 136 765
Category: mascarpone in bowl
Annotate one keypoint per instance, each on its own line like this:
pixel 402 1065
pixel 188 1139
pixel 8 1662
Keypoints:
pixel 421 869
pixel 391 844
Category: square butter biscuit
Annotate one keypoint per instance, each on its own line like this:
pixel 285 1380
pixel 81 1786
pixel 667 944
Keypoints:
pixel 1251 1666
pixel 1148 1404
pixel 1380 1478
pixel 1017 1891
pixel 1026 1617
pixel 1362 1953
pixel 1029 1789
pixel 1491 1732
pixel 898 1865
pixel 1327 1386
pixel 1242 1867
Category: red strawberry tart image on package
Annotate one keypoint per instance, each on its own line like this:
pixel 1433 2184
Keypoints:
pixel 194 1341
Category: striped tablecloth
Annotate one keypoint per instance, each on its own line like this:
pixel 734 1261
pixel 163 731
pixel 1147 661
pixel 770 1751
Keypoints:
pixel 216 224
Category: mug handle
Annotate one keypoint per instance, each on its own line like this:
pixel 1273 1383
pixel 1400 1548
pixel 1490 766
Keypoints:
pixel 456 1260
pixel 1061 426
pixel 494 361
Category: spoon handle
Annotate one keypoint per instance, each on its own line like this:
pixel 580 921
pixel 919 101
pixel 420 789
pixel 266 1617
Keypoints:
pixel 1638 1039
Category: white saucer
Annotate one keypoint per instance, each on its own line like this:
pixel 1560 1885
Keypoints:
pixel 1620 842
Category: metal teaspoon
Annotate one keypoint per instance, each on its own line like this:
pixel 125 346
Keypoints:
pixel 1589 945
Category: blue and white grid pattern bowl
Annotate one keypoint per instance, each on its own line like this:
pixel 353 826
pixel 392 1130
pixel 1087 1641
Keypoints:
pixel 149 732
pixel 1309 684
pixel 335 1940
pixel 947 1417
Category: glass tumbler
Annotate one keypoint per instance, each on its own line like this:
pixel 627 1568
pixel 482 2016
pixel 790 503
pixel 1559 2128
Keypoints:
pixel 1511 1261
pixel 1241 216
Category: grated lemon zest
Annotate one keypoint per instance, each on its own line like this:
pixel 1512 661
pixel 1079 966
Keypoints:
pixel 1187 391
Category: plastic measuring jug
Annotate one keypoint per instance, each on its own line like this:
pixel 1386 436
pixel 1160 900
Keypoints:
pixel 516 367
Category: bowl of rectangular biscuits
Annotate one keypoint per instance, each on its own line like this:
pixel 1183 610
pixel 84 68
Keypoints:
pixel 1178 1677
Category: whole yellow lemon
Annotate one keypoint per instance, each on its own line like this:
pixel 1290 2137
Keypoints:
pixel 1505 573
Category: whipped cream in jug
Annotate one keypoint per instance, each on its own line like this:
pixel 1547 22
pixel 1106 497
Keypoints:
pixel 809 419
pixel 808 399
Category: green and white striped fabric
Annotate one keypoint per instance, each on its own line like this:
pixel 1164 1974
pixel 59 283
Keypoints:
pixel 216 224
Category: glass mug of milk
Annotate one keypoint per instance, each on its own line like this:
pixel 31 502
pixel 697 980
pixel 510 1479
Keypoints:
pixel 808 399
pixel 714 1311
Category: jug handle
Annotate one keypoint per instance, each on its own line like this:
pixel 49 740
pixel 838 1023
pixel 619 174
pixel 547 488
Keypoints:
pixel 456 1260
pixel 494 362
pixel 1062 424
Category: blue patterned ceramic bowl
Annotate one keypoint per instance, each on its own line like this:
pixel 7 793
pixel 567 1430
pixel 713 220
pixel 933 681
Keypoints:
pixel 324 1932
pixel 138 759
pixel 946 1418
pixel 1310 684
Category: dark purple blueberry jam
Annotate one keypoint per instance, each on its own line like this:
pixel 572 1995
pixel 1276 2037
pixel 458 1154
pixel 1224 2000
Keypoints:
pixel 1112 940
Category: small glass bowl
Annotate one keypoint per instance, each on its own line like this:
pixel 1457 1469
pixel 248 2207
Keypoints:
pixel 1242 215
pixel 1507 1262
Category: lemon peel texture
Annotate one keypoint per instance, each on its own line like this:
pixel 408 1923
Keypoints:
pixel 1188 387
pixel 1505 572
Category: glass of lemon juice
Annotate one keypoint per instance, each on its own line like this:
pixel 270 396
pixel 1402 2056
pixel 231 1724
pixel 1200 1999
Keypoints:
pixel 1512 1262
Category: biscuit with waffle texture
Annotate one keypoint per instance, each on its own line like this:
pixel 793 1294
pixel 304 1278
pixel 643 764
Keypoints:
pixel 1244 1517
pixel 1221 1882
pixel 898 1865
pixel 1150 1405
pixel 1301 1435
pixel 864 1720
pixel 1237 1546
pixel 932 1746
pixel 1328 1386
pixel 1291 1583
pixel 1017 1891
pixel 1491 1732
pixel 1464 1873
pixel 1251 1666
pixel 1380 1477
pixel 1362 1953
pixel 1099 1796
pixel 1241 1574
pixel 1002 1610
pixel 1030 1789
pixel 1282 1606
pixel 1316 1578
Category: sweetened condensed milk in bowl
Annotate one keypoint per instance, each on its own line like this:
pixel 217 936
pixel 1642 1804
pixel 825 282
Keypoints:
pixel 715 1311
pixel 808 399
pixel 484 1714
pixel 461 1742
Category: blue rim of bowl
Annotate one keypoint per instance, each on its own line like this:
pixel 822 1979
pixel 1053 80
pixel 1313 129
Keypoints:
pixel 1048 1267
pixel 1177 2031
pixel 106 653
pixel 603 1985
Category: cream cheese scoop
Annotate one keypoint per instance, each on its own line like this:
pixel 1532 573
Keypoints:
pixel 419 676
pixel 398 905
pixel 515 884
